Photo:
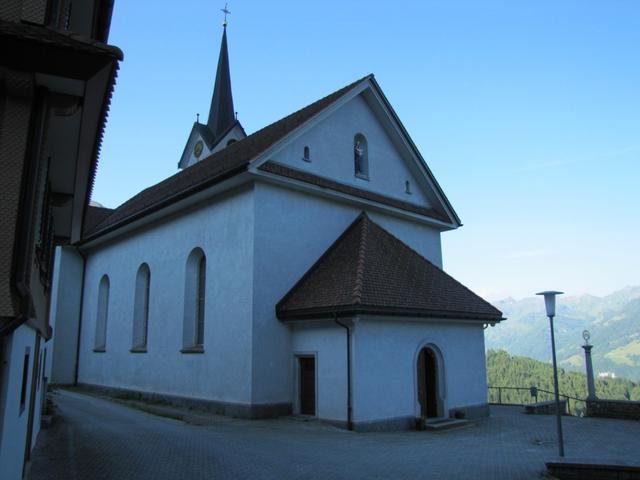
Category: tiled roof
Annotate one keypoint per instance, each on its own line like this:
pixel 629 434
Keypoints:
pixel 369 271
pixel 282 170
pixel 226 163
pixel 95 215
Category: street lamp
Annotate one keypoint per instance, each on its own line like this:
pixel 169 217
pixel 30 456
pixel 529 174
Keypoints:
pixel 550 305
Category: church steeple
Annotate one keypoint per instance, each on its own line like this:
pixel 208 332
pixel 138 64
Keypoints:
pixel 222 127
pixel 221 113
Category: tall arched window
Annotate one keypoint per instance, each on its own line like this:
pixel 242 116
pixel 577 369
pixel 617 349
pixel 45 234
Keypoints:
pixel 361 156
pixel 141 309
pixel 194 302
pixel 100 344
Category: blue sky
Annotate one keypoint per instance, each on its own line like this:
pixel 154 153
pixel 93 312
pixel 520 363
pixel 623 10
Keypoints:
pixel 527 112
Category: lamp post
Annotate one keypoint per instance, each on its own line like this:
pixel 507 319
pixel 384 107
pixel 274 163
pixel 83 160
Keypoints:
pixel 550 306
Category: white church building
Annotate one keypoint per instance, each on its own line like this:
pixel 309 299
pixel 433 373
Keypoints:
pixel 297 270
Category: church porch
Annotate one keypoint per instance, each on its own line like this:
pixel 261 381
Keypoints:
pixel 386 373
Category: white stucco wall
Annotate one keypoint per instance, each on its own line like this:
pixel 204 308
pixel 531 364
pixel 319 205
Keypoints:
pixel 331 152
pixel 293 229
pixel 327 342
pixel 64 314
pixel 224 231
pixel 385 358
pixel 14 421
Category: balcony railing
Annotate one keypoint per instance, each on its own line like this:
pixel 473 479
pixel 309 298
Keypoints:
pixel 499 395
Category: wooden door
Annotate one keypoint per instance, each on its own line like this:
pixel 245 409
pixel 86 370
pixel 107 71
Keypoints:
pixel 307 383
pixel 427 372
pixel 431 371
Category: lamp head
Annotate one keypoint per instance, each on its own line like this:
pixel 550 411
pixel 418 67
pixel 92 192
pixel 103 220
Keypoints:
pixel 550 301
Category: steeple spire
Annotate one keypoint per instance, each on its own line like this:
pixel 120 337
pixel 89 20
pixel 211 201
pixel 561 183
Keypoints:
pixel 222 127
pixel 221 113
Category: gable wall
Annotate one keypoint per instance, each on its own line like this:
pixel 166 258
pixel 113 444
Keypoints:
pixel 188 158
pixel 235 133
pixel 292 230
pixel 331 153
pixel 224 231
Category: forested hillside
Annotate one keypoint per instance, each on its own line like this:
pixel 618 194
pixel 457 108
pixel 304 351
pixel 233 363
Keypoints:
pixel 504 370
pixel 613 320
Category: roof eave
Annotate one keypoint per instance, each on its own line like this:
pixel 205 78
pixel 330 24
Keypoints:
pixel 358 196
pixel 95 156
pixel 157 207
pixel 329 312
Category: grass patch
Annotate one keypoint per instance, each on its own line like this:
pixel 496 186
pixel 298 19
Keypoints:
pixel 624 355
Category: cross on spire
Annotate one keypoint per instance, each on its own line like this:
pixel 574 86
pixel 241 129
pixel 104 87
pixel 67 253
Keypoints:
pixel 226 12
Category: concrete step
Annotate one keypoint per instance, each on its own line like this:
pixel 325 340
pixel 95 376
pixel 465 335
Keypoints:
pixel 442 424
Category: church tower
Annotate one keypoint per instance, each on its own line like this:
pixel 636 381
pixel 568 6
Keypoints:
pixel 222 127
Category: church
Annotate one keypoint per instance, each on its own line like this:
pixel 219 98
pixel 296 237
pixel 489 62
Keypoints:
pixel 296 270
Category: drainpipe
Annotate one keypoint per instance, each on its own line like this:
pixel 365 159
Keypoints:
pixel 349 400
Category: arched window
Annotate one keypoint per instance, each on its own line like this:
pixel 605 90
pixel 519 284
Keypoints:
pixel 306 156
pixel 100 344
pixel 361 156
pixel 194 302
pixel 407 187
pixel 231 140
pixel 141 309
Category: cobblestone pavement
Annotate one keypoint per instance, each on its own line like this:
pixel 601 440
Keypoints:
pixel 95 438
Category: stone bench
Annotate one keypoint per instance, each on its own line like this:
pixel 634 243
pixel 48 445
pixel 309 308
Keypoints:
pixel 545 408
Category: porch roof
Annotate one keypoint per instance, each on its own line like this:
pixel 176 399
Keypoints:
pixel 369 271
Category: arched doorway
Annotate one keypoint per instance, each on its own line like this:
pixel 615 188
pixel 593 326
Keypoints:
pixel 428 394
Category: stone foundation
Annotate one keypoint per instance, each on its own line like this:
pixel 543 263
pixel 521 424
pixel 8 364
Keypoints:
pixel 622 409
pixel 238 410
pixel 470 412
pixel 576 469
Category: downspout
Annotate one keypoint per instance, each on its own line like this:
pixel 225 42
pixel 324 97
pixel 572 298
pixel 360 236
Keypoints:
pixel 80 315
pixel 349 400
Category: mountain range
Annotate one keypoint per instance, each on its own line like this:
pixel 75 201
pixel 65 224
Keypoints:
pixel 613 322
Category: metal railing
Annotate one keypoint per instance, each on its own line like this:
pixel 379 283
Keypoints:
pixel 528 395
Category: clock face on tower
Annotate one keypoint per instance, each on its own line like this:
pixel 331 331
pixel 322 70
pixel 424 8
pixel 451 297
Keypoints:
pixel 197 149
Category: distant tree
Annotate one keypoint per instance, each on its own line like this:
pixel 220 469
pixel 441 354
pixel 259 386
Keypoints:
pixel 504 370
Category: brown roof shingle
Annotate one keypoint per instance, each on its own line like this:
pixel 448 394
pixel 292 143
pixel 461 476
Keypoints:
pixel 94 215
pixel 224 164
pixel 368 270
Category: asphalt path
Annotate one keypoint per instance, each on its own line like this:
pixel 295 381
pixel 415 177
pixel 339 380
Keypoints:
pixel 95 438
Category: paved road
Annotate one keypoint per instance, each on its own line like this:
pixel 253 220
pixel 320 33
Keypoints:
pixel 99 439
